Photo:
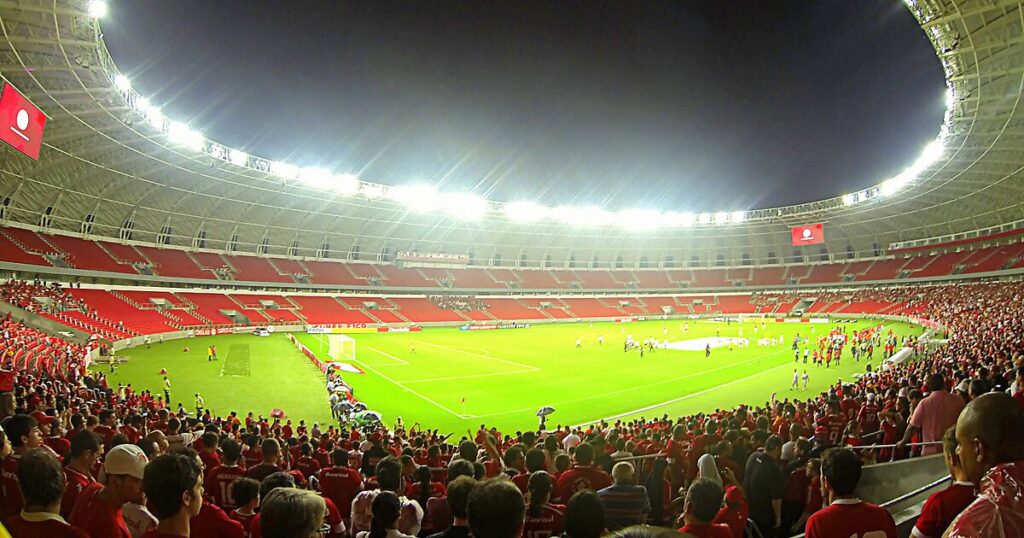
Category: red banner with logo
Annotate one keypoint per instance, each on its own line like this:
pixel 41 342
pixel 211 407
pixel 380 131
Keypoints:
pixel 21 123
pixel 811 234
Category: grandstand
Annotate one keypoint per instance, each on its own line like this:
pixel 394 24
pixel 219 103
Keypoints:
pixel 152 237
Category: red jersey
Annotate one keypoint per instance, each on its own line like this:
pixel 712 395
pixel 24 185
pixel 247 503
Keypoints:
pixel 59 445
pixel 45 525
pixel 713 530
pixel 212 522
pixel 735 513
pixel 814 498
pixel 218 485
pixel 942 508
pixel 437 489
pixel 76 484
pixel 581 477
pixel 835 424
pixel 252 457
pixel 307 465
pixel 96 517
pixel 210 460
pixel 548 523
pixel 244 520
pixel 13 503
pixel 341 484
pixel 851 517
pixel 868 418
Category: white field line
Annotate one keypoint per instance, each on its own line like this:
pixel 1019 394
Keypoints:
pixel 470 376
pixel 411 391
pixel 488 357
pixel 388 355
pixel 656 383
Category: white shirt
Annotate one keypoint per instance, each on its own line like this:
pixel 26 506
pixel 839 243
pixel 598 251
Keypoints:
pixel 137 518
pixel 570 441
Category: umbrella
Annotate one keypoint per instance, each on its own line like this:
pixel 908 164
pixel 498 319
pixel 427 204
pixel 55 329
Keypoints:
pixel 360 406
pixel 367 416
pixel 545 411
pixel 277 413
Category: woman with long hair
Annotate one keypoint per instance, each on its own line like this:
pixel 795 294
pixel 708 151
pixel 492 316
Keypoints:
pixel 386 508
pixel 542 517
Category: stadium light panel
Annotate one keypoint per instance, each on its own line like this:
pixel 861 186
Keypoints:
pixel 704 218
pixel 931 154
pixel 582 216
pixel 320 178
pixel 238 157
pixel 123 83
pixel 346 184
pixel 525 211
pixel 97 9
pixel 418 198
pixel 372 191
pixel 737 217
pixel 639 219
pixel 682 220
pixel 464 205
pixel 179 133
pixel 849 199
pixel 285 170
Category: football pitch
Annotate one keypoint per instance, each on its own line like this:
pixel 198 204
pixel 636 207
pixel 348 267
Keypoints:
pixel 453 380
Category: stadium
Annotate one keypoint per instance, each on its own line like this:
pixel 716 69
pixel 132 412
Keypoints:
pixel 169 299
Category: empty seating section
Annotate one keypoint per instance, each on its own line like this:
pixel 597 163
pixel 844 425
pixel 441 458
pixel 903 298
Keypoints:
pixel 824 274
pixel 538 279
pixel 141 298
pixel 1003 257
pixel 597 280
pixel 742 274
pixel 866 307
pixel 185 318
pixel 478 315
pixel 710 278
pixel 471 278
pixel 85 254
pixel 681 276
pixel 11 252
pixel 734 304
pixel 553 308
pixel 123 253
pixel 29 241
pixel 336 274
pixel 112 309
pixel 362 270
pixel 917 263
pixel 209 305
pixel 422 310
pixel 882 270
pixel 173 263
pixel 256 269
pixel 434 274
pixel 404 278
pixel 503 275
pixel 655 305
pixel 857 268
pixel 319 310
pixel 798 272
pixel 256 301
pixel 654 280
pixel 941 265
pixel 767 276
pixel 209 260
pixel 288 267
pixel 84 322
pixel 510 309
pixel 590 308
pixel 383 309
pixel 564 277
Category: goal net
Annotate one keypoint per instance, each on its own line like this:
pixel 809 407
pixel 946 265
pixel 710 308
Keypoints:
pixel 341 347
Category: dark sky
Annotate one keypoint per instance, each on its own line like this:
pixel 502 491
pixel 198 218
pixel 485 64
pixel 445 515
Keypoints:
pixel 676 105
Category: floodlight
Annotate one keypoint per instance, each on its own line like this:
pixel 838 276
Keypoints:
pixel 639 219
pixel 372 191
pixel 285 170
pixel 950 98
pixel 346 184
pixel 582 216
pixel 320 178
pixel 419 198
pixel 122 83
pixel 850 199
pixel 526 211
pixel 932 153
pixel 97 9
pixel 465 205
pixel 737 217
pixel 179 133
pixel 678 219
pixel 704 218
pixel 237 157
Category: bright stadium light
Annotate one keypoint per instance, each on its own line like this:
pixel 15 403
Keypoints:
pixel 582 216
pixel 525 211
pixel 931 154
pixel 123 83
pixel 320 178
pixel 737 217
pixel 372 191
pixel 238 157
pixel 464 205
pixel 346 184
pixel 285 170
pixel 97 9
pixel 179 133
pixel 704 218
pixel 682 220
pixel 849 199
pixel 418 198
pixel 639 219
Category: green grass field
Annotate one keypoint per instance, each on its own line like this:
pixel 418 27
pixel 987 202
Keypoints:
pixel 504 376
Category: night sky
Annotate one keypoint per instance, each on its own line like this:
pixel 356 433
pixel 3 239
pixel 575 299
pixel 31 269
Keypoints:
pixel 681 105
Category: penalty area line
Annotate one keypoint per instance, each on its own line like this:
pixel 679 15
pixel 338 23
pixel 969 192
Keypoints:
pixel 487 357
pixel 409 390
pixel 401 362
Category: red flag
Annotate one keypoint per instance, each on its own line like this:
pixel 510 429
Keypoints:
pixel 463 400
pixel 21 123
pixel 811 234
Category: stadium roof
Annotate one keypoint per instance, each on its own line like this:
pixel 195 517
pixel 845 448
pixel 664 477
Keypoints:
pixel 107 166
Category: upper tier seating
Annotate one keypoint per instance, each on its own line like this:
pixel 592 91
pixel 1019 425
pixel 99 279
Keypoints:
pixel 113 310
pixel 285 266
pixel 85 254
pixel 538 279
pixel 590 308
pixel 256 269
pixel 336 274
pixel 423 310
pixel 319 310
pixel 29 241
pixel 405 278
pixel 653 279
pixel 508 309
pixel 472 278
pixel 123 253
pixel 173 263
pixel 11 252
pixel 209 306
pixel 597 280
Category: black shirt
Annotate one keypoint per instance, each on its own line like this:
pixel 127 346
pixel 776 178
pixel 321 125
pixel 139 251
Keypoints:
pixel 452 532
pixel 762 482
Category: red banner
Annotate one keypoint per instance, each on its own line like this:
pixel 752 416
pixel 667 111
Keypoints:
pixel 811 234
pixel 21 123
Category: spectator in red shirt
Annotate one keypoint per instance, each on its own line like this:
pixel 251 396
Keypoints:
pixel 208 451
pixel 542 518
pixel 943 506
pixel 703 501
pixel 217 483
pixel 458 492
pixel 24 433
pixel 583 475
pixel 990 435
pixel 423 488
pixel 340 483
pixel 174 489
pixel 847 515
pixel 306 463
pixel 98 509
pixel 86 448
pixel 271 452
pixel 246 493
pixel 42 486
pixel 535 461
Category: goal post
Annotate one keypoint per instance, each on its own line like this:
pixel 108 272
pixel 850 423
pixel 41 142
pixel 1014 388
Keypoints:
pixel 341 347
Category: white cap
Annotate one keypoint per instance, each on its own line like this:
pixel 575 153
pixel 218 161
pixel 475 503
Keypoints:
pixel 871 396
pixel 126 460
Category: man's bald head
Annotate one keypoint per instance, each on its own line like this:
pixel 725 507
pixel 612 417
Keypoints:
pixel 990 431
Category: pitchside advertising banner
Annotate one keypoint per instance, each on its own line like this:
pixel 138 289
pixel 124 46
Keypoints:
pixel 810 234
pixel 350 328
pixel 21 123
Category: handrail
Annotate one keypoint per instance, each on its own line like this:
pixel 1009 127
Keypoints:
pixel 916 492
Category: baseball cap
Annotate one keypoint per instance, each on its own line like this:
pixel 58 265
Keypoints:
pixel 871 396
pixel 42 418
pixel 126 459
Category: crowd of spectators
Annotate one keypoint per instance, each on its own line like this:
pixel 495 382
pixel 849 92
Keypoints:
pixel 133 467
pixel 38 296
pixel 458 303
